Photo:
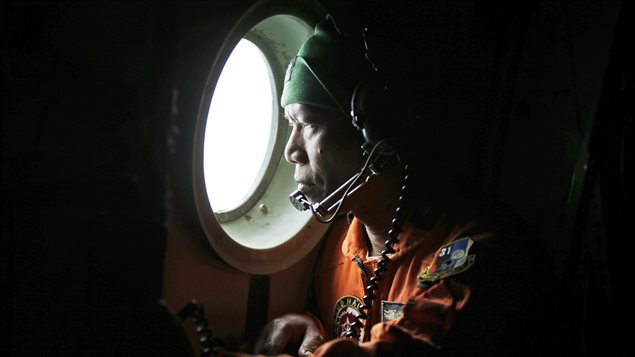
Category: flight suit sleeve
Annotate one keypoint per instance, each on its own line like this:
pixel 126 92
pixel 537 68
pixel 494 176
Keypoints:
pixel 427 317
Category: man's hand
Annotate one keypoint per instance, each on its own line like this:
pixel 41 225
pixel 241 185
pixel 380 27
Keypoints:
pixel 284 334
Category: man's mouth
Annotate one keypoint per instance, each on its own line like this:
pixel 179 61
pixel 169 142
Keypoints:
pixel 304 186
pixel 309 190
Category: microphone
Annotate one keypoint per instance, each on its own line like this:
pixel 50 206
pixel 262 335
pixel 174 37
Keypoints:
pixel 329 204
pixel 380 154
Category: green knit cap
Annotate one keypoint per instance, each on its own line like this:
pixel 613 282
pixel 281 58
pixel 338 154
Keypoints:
pixel 326 70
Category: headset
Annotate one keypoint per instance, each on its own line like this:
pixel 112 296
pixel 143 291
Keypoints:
pixel 369 114
pixel 369 101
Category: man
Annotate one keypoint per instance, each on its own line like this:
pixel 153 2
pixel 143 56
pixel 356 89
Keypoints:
pixel 433 271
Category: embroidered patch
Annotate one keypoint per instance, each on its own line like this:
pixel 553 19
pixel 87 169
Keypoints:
pixel 344 313
pixel 391 310
pixel 450 259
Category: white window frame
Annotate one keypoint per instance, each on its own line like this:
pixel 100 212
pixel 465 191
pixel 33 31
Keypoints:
pixel 266 234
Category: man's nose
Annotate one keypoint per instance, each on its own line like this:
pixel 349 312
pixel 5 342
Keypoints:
pixel 294 151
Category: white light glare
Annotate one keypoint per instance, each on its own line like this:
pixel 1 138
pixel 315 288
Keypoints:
pixel 240 128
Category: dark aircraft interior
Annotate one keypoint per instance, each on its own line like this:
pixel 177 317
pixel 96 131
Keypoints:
pixel 111 245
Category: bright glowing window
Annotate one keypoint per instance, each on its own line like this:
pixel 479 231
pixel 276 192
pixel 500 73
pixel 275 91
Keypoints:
pixel 241 129
pixel 241 179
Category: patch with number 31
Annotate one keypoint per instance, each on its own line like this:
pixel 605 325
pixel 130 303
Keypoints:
pixel 449 260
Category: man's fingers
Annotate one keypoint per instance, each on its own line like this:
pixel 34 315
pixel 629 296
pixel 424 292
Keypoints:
pixel 312 340
pixel 288 333
pixel 277 337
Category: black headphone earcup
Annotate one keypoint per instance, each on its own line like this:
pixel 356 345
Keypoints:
pixel 371 112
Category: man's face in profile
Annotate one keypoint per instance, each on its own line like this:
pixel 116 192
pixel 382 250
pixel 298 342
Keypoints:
pixel 324 147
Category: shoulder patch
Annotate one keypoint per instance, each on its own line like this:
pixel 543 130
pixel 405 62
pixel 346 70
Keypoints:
pixel 450 259
pixel 391 310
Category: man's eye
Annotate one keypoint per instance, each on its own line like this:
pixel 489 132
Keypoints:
pixel 295 124
pixel 302 126
pixel 310 125
pixel 298 124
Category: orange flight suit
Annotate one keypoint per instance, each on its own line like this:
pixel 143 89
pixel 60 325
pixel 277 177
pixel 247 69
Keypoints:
pixel 492 304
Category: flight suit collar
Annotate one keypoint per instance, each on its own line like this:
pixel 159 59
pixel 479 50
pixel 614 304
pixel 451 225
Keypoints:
pixel 354 243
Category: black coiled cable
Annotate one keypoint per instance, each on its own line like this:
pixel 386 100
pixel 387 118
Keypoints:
pixel 373 285
pixel 195 310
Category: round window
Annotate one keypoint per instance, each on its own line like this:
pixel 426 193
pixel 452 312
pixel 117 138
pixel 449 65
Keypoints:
pixel 241 180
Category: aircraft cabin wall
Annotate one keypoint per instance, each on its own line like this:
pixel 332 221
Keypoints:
pixel 104 211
